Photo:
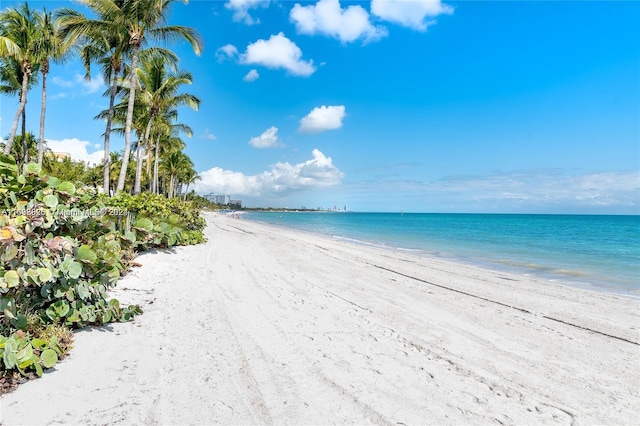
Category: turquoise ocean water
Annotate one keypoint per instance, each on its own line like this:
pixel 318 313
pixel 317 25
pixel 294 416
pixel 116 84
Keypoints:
pixel 596 252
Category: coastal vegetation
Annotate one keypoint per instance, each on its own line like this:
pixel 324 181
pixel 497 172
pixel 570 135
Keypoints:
pixel 70 230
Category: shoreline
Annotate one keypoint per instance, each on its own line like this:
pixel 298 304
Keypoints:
pixel 572 278
pixel 264 325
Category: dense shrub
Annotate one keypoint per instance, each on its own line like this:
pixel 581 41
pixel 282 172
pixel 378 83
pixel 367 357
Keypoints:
pixel 61 248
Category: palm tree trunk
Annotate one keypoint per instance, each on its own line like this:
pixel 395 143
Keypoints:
pixel 136 185
pixel 25 146
pixel 127 127
pixel 43 109
pixel 23 101
pixel 172 185
pixel 156 188
pixel 106 181
pixel 148 164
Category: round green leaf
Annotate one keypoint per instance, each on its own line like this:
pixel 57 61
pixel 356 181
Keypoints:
pixel 12 278
pixel 51 201
pixel 67 188
pixel 75 269
pixel 9 253
pixel 85 254
pixel 44 274
pixel 144 223
pixel 33 168
pixel 49 358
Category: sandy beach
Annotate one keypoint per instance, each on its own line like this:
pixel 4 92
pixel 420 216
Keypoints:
pixel 269 326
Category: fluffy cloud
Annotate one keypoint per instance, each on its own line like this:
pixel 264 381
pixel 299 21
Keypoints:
pixel 251 76
pixel 208 135
pixel 267 139
pixel 322 118
pixel 328 18
pixel 241 8
pixel 87 86
pixel 278 52
pixel 228 51
pixel 416 14
pixel 283 178
pixel 77 150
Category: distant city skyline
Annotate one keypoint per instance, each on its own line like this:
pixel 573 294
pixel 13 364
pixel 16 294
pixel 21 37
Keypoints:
pixel 423 106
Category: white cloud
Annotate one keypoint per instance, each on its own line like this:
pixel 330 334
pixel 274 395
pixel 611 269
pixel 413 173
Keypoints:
pixel 281 179
pixel 90 86
pixel 77 150
pixel 416 14
pixel 61 82
pixel 228 51
pixel 278 52
pixel 251 76
pixel 241 9
pixel 209 135
pixel 328 18
pixel 267 139
pixel 87 86
pixel 322 118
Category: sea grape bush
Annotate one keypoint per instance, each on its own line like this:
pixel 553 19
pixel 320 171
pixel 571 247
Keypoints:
pixel 62 246
pixel 165 222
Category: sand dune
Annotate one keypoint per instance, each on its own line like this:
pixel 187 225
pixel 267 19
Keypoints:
pixel 269 326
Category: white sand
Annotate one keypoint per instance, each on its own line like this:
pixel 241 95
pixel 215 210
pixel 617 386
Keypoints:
pixel 269 326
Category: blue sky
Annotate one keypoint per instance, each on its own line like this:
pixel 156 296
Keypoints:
pixel 515 107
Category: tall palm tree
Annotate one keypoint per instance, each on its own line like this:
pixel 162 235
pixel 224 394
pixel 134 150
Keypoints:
pixel 174 164
pixel 19 26
pixel 144 20
pixel 159 92
pixel 188 177
pixel 11 77
pixel 166 141
pixel 107 45
pixel 49 46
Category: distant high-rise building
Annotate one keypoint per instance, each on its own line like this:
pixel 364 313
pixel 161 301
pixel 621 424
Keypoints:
pixel 218 199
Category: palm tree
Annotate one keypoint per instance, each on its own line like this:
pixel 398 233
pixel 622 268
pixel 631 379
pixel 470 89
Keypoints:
pixel 49 46
pixel 166 141
pixel 144 20
pixel 159 92
pixel 18 25
pixel 25 146
pixel 108 46
pixel 11 76
pixel 188 177
pixel 174 164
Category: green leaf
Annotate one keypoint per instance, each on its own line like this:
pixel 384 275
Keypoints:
pixel 51 201
pixel 67 188
pixel 75 269
pixel 21 322
pixel 85 254
pixel 10 253
pixel 9 356
pixel 144 223
pixel 131 236
pixel 33 168
pixel 12 278
pixel 38 368
pixel 83 291
pixel 38 344
pixel 23 357
pixel 45 275
pixel 49 358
